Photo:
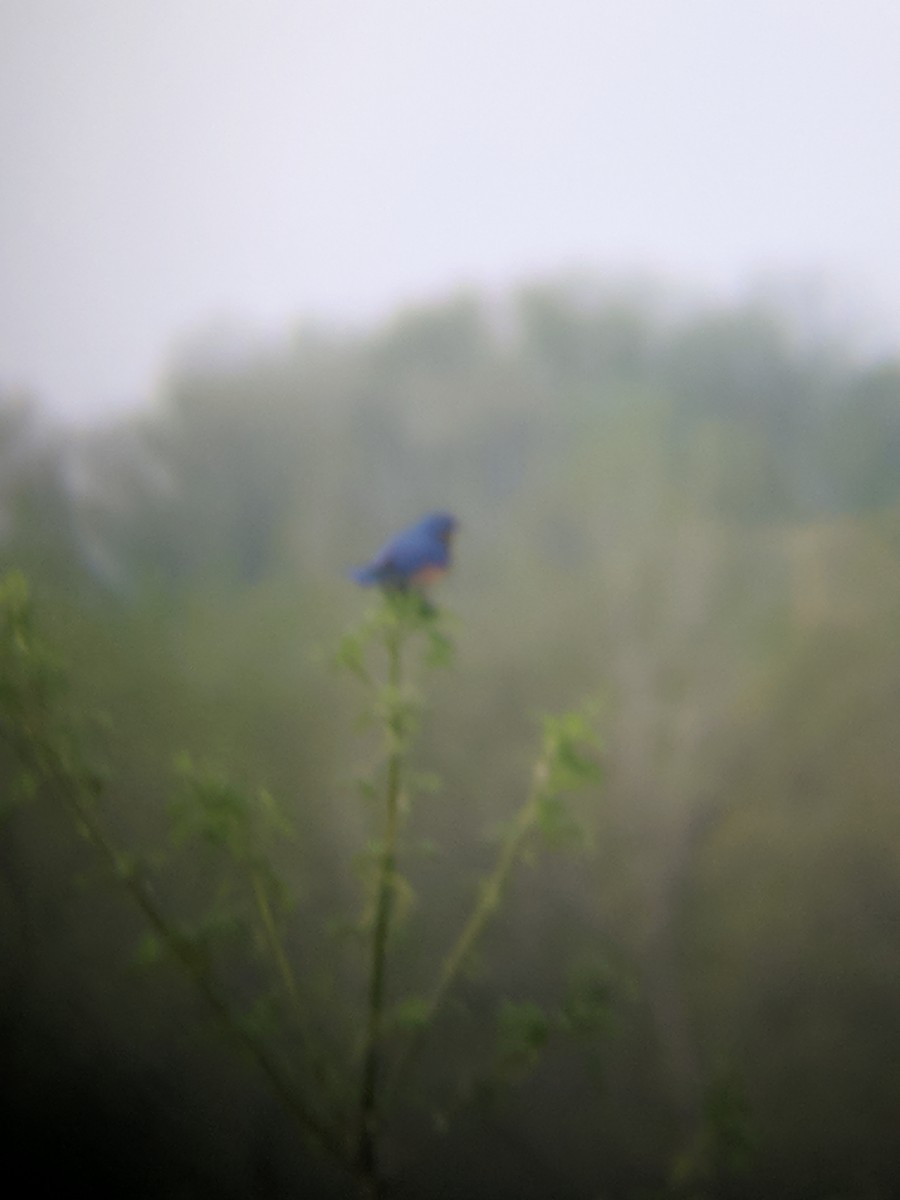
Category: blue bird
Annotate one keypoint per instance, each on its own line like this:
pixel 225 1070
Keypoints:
pixel 415 557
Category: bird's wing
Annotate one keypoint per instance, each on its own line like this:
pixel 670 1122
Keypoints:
pixel 412 551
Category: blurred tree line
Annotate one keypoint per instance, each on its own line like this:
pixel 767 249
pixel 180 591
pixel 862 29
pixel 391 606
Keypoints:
pixel 693 515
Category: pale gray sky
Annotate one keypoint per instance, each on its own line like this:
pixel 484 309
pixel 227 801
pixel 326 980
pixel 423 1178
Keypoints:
pixel 165 162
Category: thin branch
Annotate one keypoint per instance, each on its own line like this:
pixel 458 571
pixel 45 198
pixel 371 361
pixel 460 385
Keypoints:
pixel 491 894
pixel 368 1105
pixel 182 950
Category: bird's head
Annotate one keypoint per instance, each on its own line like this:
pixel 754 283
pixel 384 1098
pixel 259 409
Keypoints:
pixel 441 525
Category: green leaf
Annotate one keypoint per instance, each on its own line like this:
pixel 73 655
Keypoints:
pixel 404 895
pixel 556 824
pixel 411 1013
pixel 523 1031
pixel 441 649
pixel 351 655
pixel 570 747
pixel 126 866
pixel 274 819
pixel 150 950
pixel 588 1007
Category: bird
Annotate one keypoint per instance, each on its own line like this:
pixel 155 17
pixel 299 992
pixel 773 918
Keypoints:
pixel 415 557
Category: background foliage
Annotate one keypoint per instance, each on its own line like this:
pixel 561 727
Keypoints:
pixel 694 515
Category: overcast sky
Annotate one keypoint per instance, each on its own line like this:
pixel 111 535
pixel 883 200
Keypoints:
pixel 167 162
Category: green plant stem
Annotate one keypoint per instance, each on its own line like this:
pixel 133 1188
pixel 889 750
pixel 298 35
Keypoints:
pixel 185 953
pixel 368 1106
pixel 274 939
pixel 286 971
pixel 488 901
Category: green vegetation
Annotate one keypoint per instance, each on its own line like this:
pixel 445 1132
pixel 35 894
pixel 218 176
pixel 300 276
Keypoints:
pixel 241 933
pixel 690 991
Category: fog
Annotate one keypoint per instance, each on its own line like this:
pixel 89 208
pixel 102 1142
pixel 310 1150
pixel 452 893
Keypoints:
pixel 577 877
pixel 685 520
pixel 167 164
